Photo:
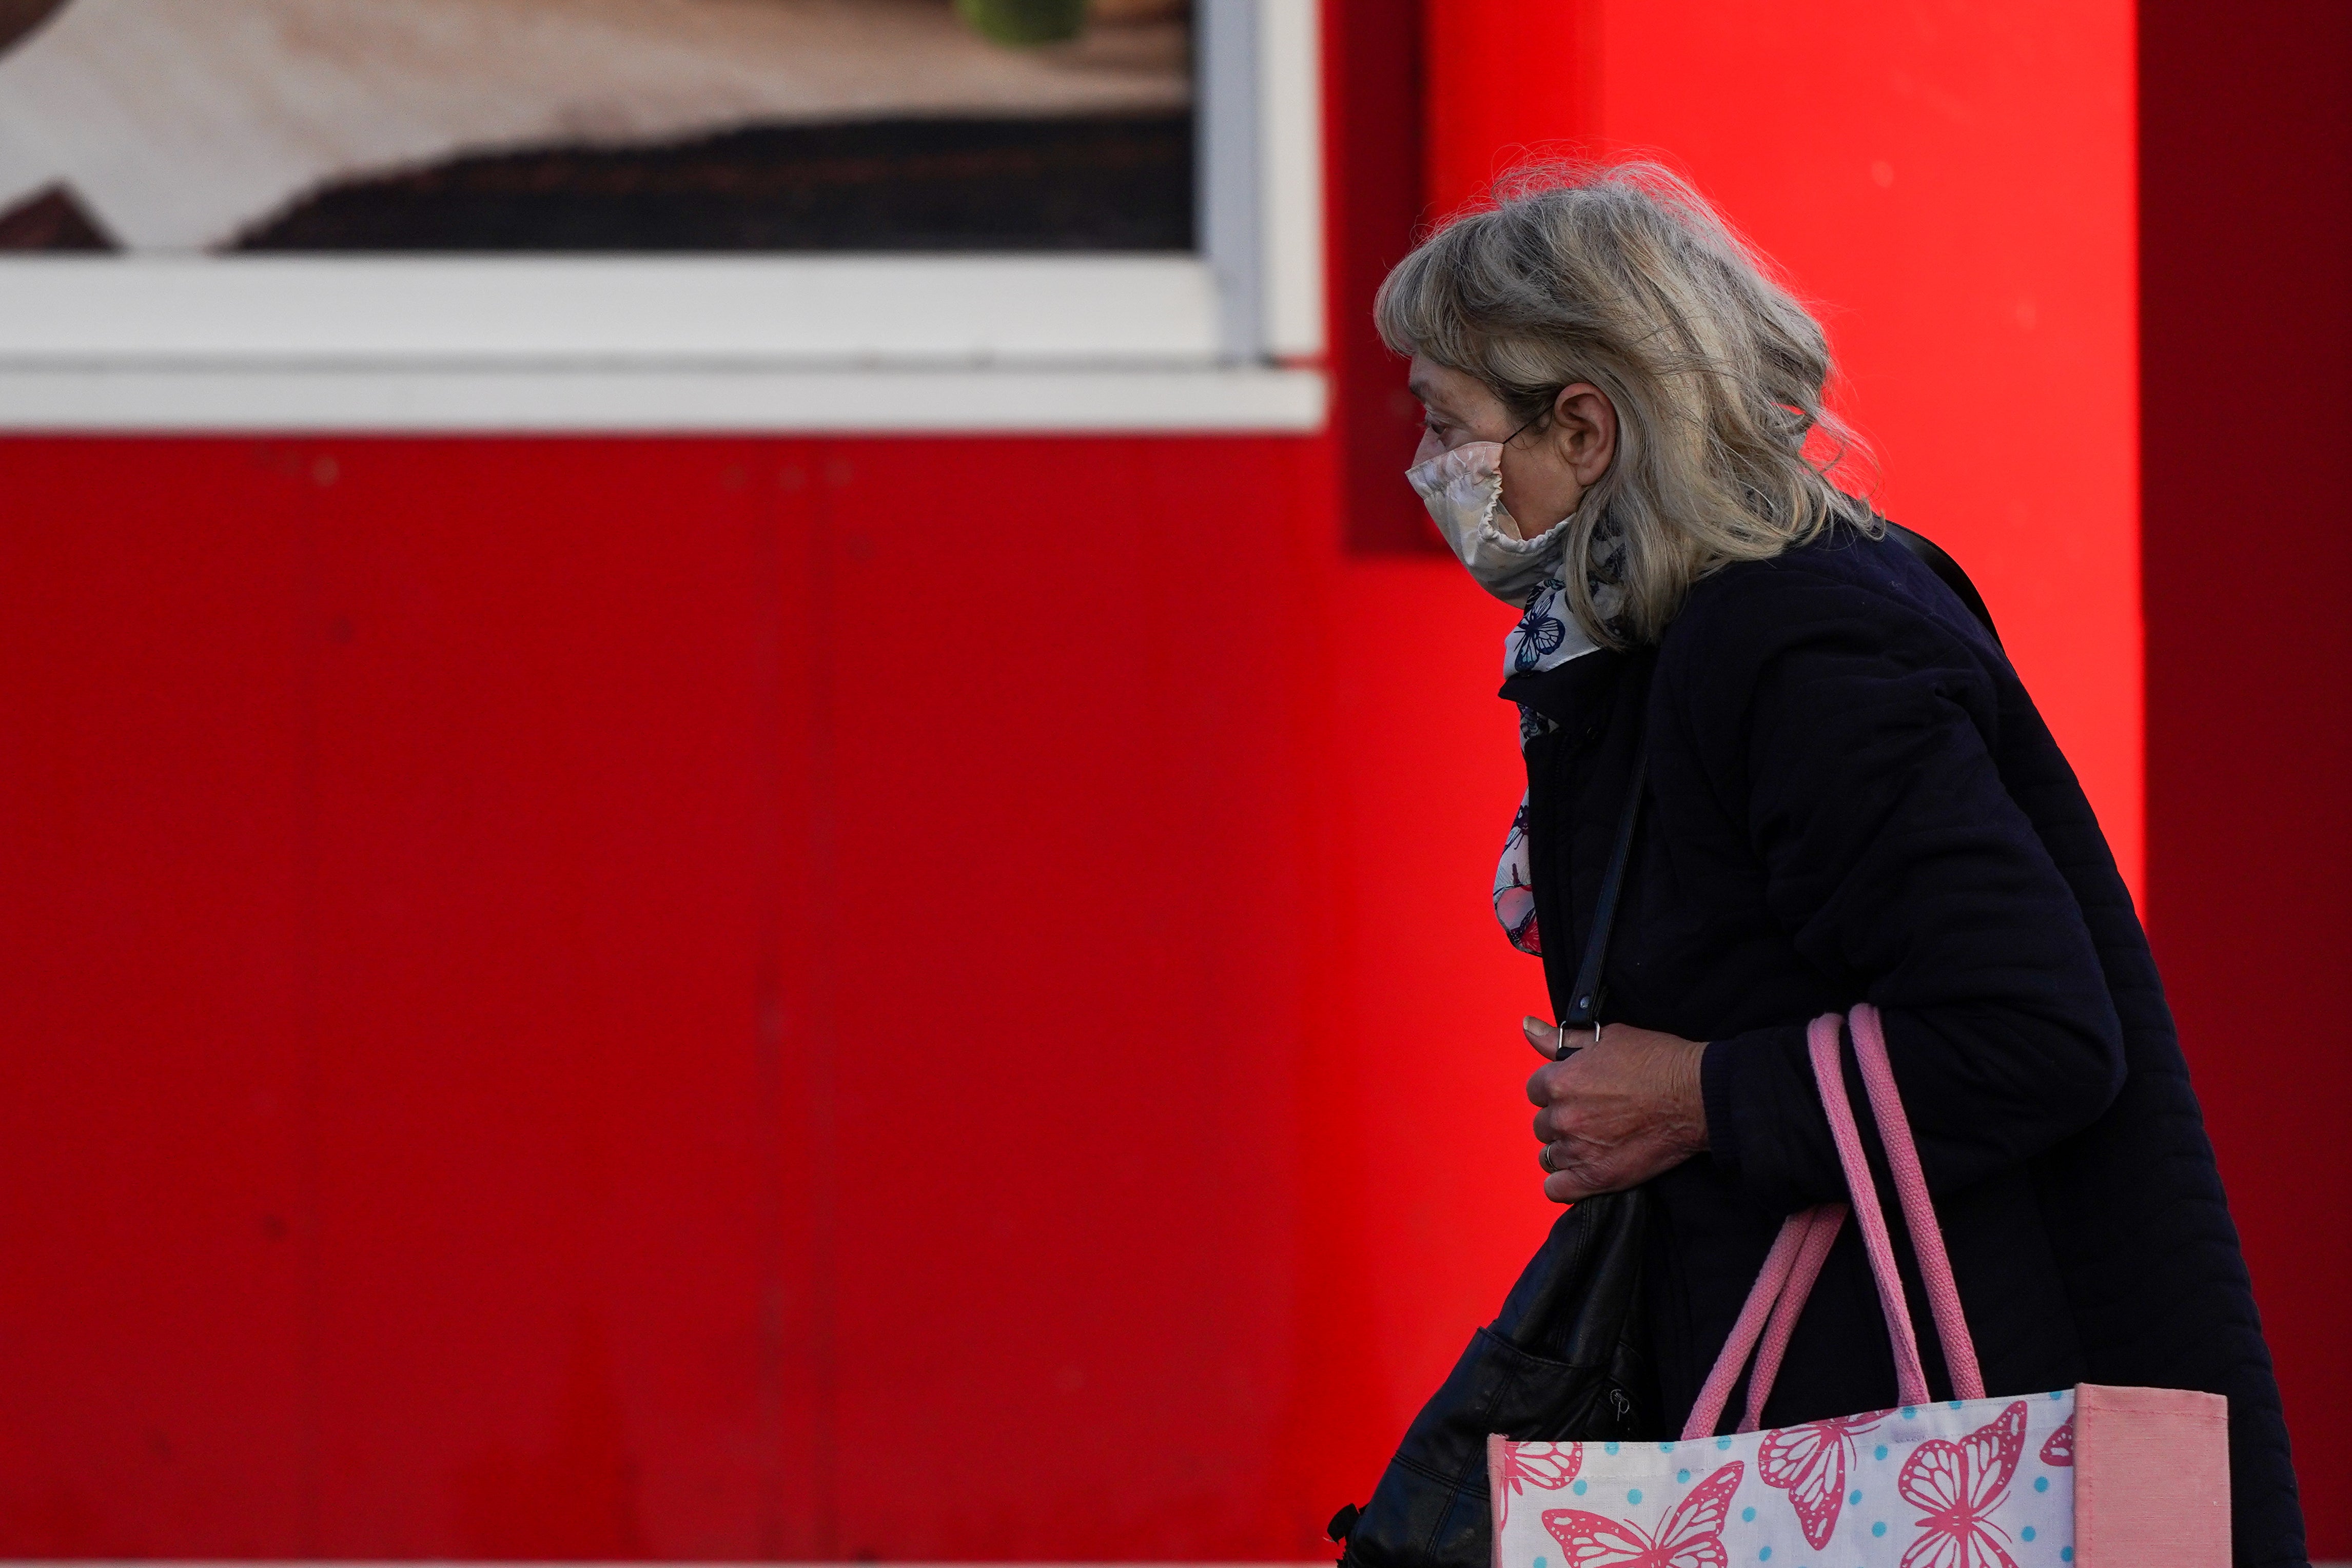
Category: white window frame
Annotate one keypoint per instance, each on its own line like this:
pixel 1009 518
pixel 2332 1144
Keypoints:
pixel 1228 339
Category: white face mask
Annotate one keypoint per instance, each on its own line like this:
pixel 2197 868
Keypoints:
pixel 1464 491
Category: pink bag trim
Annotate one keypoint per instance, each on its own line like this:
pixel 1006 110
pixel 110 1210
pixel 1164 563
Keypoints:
pixel 2151 1478
pixel 1795 1261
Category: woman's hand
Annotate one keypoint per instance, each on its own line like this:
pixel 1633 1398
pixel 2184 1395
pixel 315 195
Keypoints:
pixel 1615 1114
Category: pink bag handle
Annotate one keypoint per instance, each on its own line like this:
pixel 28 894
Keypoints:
pixel 1828 1219
pixel 1910 1191
pixel 1795 1261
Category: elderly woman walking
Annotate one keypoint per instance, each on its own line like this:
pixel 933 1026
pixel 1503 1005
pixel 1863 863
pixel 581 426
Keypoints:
pixel 1845 795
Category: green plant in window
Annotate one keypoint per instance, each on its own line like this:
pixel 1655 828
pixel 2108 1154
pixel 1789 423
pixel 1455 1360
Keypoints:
pixel 1025 21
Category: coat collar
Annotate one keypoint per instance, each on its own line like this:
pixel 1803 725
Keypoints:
pixel 1572 694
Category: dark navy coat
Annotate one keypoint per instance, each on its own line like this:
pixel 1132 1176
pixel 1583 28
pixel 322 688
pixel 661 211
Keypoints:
pixel 1851 798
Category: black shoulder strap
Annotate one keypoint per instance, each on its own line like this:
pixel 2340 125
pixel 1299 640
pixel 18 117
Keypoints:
pixel 1584 1000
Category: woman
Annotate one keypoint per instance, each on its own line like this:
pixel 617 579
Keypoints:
pixel 1846 796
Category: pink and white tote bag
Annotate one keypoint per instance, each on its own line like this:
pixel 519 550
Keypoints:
pixel 2088 1476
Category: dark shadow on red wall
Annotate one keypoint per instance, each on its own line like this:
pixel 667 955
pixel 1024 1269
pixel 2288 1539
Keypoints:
pixel 1374 134
pixel 2246 332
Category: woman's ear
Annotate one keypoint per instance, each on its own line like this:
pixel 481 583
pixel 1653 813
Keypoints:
pixel 1585 422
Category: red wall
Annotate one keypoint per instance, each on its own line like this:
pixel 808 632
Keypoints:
pixel 640 998
pixel 2246 253
pixel 1952 185
pixel 617 999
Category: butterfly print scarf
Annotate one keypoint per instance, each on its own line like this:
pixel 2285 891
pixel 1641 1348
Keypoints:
pixel 1545 637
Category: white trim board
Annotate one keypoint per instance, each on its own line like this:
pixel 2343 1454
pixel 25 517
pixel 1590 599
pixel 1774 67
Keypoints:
pixel 853 310
pixel 1290 164
pixel 426 399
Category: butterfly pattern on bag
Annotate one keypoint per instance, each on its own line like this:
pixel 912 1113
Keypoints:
pixel 1810 1463
pixel 1548 1471
pixel 1690 1537
pixel 2059 1451
pixel 1960 1484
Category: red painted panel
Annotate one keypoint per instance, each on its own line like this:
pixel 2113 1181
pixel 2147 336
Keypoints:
pixel 2248 257
pixel 1068 948
pixel 1955 186
pixel 1509 84
pixel 543 1110
pixel 775 979
pixel 155 1119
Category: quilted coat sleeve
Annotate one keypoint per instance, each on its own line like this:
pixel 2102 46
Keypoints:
pixel 1854 737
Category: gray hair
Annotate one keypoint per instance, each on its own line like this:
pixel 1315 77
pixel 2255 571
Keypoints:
pixel 1624 277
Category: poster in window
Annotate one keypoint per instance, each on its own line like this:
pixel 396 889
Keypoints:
pixel 595 126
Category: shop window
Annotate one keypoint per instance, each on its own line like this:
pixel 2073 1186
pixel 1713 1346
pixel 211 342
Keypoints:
pixel 631 213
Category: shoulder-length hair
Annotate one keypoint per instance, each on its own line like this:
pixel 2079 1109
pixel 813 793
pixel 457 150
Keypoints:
pixel 1624 277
